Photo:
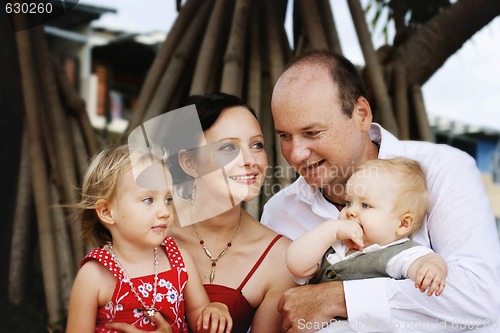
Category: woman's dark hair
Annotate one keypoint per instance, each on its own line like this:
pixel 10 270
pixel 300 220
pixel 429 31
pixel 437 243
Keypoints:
pixel 209 108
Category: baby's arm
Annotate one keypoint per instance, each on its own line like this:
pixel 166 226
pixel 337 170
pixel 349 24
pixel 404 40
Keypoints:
pixel 203 316
pixel 305 252
pixel 429 272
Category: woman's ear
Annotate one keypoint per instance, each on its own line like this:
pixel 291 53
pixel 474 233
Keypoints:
pixel 103 210
pixel 405 225
pixel 188 163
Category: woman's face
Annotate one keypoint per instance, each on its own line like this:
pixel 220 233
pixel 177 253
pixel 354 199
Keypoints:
pixel 236 145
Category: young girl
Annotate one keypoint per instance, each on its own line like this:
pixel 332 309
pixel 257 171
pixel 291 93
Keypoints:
pixel 137 270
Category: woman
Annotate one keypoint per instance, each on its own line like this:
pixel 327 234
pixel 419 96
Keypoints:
pixel 240 261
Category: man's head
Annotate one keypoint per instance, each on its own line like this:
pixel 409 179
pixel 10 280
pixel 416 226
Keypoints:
pixel 323 118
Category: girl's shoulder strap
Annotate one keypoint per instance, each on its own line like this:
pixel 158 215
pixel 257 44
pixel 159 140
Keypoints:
pixel 173 253
pixel 105 258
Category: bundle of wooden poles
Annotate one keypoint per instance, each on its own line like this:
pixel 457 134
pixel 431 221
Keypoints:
pixel 235 46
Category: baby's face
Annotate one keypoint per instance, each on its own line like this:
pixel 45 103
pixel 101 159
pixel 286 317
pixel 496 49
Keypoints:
pixel 370 197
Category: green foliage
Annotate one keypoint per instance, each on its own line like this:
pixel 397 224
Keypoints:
pixel 415 12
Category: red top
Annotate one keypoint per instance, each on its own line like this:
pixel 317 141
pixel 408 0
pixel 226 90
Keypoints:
pixel 241 311
pixel 124 306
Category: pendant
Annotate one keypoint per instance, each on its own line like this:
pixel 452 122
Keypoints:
pixel 212 273
pixel 150 313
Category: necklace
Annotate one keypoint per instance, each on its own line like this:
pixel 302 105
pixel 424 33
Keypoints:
pixel 149 310
pixel 209 254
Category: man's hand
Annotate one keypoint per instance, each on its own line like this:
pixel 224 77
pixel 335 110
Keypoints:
pixel 308 307
pixel 161 323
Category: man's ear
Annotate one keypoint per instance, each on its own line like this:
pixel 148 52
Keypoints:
pixel 405 224
pixel 103 210
pixel 363 112
pixel 188 163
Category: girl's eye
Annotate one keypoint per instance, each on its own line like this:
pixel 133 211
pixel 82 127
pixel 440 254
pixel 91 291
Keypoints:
pixel 147 200
pixel 364 205
pixel 169 200
pixel 348 203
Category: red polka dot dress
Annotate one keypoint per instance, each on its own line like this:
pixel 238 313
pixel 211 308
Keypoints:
pixel 124 305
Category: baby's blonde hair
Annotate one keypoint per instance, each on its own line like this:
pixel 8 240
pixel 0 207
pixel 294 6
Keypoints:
pixel 100 182
pixel 413 196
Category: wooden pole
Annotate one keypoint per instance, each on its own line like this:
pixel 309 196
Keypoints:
pixel 329 26
pixel 232 73
pixel 155 73
pixel 401 102
pixel 21 227
pixel 76 105
pixel 374 70
pixel 424 128
pixel 59 129
pixel 276 65
pixel 177 66
pixel 312 26
pixel 207 56
pixel 254 88
pixel 32 100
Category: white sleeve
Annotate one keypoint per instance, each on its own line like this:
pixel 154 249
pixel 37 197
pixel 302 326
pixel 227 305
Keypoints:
pixel 398 266
pixel 462 229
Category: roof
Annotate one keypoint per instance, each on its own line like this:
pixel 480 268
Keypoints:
pixel 79 15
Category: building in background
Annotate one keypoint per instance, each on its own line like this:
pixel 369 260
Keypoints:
pixel 483 144
pixel 107 67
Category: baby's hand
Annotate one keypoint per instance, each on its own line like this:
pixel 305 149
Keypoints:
pixel 431 271
pixel 351 232
pixel 215 318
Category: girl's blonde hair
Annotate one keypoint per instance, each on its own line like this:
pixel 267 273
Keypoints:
pixel 100 182
pixel 413 196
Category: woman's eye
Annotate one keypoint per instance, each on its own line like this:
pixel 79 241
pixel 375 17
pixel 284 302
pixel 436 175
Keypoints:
pixel 228 147
pixel 258 145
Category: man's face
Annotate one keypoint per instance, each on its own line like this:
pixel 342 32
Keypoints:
pixel 321 143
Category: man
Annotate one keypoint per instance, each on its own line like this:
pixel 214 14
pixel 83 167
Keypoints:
pixel 325 127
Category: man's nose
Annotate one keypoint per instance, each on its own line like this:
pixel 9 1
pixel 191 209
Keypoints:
pixel 299 151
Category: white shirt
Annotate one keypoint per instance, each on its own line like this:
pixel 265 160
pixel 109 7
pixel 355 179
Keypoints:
pixel 460 227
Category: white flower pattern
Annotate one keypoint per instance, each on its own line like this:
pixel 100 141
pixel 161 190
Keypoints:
pixel 169 296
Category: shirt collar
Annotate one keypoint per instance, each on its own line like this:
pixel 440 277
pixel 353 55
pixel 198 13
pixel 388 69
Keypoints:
pixel 390 146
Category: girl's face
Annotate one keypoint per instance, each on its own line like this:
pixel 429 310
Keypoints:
pixel 141 216
pixel 236 145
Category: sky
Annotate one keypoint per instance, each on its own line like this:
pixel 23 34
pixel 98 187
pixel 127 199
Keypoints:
pixel 465 89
